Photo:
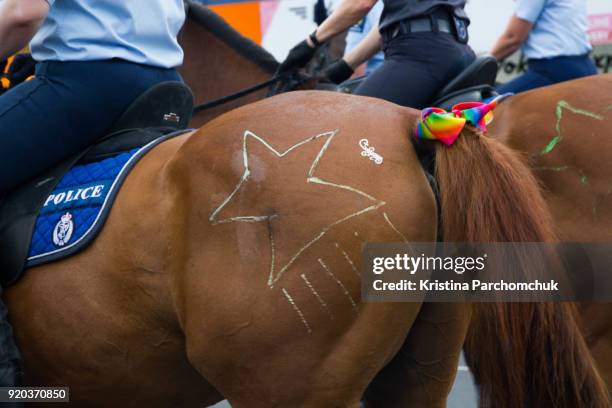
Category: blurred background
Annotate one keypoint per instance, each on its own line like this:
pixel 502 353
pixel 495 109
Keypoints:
pixel 278 25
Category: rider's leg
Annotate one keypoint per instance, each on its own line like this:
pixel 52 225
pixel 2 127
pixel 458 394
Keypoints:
pixel 529 80
pixel 564 68
pixel 416 67
pixel 550 71
pixel 401 83
pixel 67 107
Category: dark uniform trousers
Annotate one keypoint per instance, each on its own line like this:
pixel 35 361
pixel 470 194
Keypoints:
pixel 419 64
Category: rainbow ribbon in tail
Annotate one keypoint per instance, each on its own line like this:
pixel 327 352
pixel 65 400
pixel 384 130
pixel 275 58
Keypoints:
pixel 438 124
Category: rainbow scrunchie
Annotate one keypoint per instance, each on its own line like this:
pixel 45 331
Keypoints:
pixel 438 124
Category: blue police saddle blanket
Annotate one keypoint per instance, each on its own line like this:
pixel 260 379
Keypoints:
pixel 75 212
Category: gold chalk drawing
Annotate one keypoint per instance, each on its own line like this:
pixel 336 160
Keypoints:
pixel 394 228
pixel 297 310
pixel 348 259
pixel 277 271
pixel 317 295
pixel 339 282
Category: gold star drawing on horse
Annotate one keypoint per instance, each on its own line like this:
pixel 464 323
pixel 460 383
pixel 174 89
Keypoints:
pixel 357 202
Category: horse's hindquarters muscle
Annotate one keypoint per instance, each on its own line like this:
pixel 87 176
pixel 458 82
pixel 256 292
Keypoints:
pixel 280 200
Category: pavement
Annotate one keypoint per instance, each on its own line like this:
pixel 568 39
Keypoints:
pixel 463 394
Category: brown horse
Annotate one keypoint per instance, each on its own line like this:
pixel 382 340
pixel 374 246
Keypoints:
pixel 529 132
pixel 228 268
pixel 219 62
pixel 566 134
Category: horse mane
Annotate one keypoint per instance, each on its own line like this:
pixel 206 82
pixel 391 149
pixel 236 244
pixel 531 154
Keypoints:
pixel 217 26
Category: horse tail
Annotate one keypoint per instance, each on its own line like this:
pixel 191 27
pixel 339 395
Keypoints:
pixel 521 354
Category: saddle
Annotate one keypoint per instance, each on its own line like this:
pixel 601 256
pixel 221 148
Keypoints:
pixel 474 84
pixel 158 114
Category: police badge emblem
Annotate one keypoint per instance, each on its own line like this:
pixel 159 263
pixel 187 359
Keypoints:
pixel 63 230
pixel 461 30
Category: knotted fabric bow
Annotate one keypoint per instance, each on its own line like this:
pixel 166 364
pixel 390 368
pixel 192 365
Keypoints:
pixel 438 124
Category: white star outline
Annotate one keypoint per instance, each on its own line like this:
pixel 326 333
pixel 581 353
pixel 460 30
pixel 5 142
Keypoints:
pixel 310 178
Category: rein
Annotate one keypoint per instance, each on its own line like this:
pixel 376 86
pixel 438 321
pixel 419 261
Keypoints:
pixel 283 83
pixel 237 95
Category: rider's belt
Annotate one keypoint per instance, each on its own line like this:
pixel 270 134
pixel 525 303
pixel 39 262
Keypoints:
pixel 437 22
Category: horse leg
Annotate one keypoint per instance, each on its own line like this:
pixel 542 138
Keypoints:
pixel 258 351
pixel 290 368
pixel 423 371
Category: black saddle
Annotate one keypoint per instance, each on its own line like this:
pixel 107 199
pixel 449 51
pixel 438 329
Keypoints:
pixel 168 104
pixel 474 84
pixel 165 108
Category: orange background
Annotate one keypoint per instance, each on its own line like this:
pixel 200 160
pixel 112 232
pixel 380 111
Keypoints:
pixel 244 17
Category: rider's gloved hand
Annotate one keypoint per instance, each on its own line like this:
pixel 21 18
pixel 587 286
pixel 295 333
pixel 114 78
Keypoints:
pixel 338 71
pixel 298 57
pixel 16 70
